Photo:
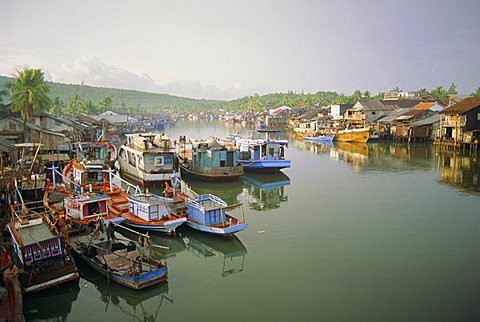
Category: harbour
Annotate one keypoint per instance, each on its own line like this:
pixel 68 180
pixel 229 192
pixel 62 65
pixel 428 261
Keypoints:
pixel 372 228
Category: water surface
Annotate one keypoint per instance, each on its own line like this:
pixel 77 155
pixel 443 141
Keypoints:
pixel 350 232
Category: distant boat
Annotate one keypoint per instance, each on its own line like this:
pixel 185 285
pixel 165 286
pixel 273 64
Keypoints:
pixel 320 138
pixel 360 135
pixel 147 158
pixel 122 262
pixel 262 154
pixel 40 253
pixel 208 159
pixel 207 213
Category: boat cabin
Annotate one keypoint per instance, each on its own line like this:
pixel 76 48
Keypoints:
pixel 149 206
pixel 149 152
pixel 33 242
pixel 86 206
pixel 103 151
pixel 212 154
pixel 207 209
pixel 89 172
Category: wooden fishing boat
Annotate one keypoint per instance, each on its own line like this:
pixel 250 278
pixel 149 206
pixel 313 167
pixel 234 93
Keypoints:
pixel 151 212
pixel 39 252
pixel 319 138
pixel 29 171
pixel 147 159
pixel 125 263
pixel 84 173
pixel 208 159
pixel 141 210
pixel 89 164
pixel 207 213
pixel 360 135
pixel 75 209
pixel 263 154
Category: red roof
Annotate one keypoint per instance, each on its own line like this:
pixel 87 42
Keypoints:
pixel 462 107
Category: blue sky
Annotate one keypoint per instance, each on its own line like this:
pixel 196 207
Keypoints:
pixel 229 49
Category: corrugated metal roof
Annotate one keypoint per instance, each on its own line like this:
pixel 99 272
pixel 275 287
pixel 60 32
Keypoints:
pixel 462 107
pixel 427 121
pixel 392 115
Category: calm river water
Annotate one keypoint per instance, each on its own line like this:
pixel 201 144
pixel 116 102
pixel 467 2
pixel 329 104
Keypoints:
pixel 350 232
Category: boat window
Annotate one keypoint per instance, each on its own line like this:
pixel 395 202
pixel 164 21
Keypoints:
pixel 93 208
pixel 158 161
pixel 123 154
pixel 271 151
pixel 131 159
pixel 153 212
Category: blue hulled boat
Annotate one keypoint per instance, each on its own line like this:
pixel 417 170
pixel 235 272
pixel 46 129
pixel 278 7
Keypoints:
pixel 319 139
pixel 263 154
pixel 207 213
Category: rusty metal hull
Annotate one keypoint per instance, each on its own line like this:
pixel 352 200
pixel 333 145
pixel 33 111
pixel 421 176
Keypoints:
pixel 211 174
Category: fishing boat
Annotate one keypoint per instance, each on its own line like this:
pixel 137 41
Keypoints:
pixel 208 159
pixel 207 213
pixel 359 135
pixel 141 210
pixel 39 252
pixel 147 159
pixel 75 208
pixel 263 154
pixel 29 172
pixel 123 262
pixel 92 159
pixel 320 138
pixel 151 212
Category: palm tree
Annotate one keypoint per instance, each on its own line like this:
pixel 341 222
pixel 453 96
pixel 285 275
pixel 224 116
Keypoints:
pixel 3 103
pixel 423 92
pixel 29 95
pixel 57 106
pixel 452 90
pixel 477 92
pixel 357 95
pixel 75 106
pixel 439 93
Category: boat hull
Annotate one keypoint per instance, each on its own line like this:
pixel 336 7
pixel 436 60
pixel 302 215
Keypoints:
pixel 265 165
pixel 227 231
pixel 325 138
pixel 139 282
pixel 153 180
pixel 167 227
pixel 212 174
pixel 353 136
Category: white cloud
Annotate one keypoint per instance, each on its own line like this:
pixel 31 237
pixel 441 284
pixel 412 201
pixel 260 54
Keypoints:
pixel 92 71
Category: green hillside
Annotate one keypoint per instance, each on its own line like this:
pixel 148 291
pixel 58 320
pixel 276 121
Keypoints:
pixel 148 102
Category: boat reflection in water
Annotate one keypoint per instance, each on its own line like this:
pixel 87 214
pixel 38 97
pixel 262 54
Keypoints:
pixel 265 191
pixel 141 305
pixel 457 170
pixel 231 250
pixel 228 191
pixel 53 304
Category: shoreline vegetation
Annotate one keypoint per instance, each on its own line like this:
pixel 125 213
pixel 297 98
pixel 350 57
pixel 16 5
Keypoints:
pixel 72 99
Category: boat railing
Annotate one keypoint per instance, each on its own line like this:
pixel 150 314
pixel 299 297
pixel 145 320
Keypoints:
pixel 213 198
pixel 112 175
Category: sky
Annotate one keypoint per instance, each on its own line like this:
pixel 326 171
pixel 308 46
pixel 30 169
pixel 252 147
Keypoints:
pixel 225 49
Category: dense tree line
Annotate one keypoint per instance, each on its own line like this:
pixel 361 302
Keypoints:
pixel 29 93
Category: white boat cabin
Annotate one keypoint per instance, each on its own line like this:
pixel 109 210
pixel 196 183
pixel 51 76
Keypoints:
pixel 149 207
pixel 86 206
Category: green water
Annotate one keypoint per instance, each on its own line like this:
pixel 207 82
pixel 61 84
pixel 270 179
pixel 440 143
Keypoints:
pixel 350 232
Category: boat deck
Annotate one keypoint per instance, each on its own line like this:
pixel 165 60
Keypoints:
pixel 210 205
pixel 35 232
